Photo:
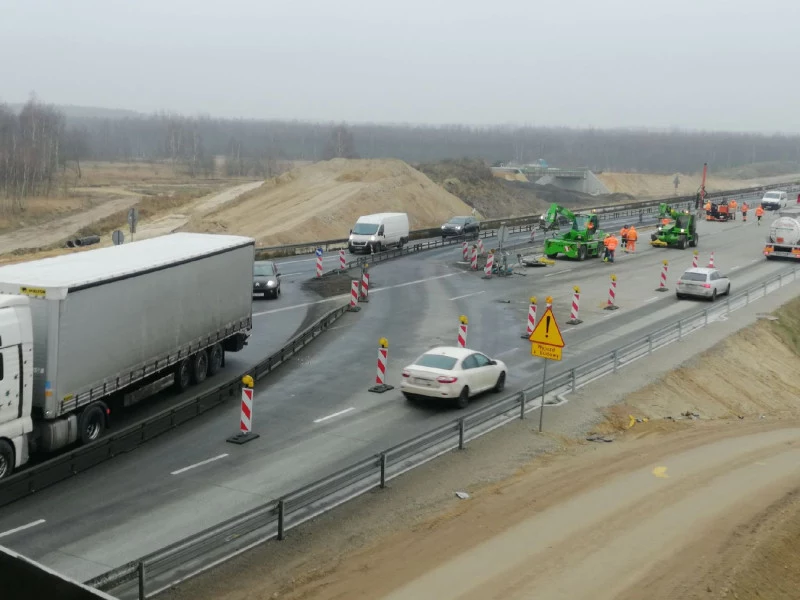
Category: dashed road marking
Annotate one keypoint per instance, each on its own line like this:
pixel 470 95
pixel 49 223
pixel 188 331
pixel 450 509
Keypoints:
pixel 653 299
pixel 200 464
pixel 336 414
pixel 558 272
pixel 468 295
pixel 21 528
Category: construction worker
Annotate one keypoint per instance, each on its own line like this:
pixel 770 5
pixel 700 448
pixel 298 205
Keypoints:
pixel 623 234
pixel 759 214
pixel 745 208
pixel 732 208
pixel 610 242
pixel 633 235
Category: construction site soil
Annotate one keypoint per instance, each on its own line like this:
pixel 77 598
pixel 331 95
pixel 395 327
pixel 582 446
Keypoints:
pixel 699 506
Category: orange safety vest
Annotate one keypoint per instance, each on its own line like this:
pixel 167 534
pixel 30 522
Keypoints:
pixel 611 243
pixel 623 233
pixel 745 207
pixel 759 211
pixel 632 235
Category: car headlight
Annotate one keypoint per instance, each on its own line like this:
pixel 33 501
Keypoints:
pixel 271 283
pixel 444 226
pixel 372 238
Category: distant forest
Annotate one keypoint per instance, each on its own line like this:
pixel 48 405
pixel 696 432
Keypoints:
pixel 36 138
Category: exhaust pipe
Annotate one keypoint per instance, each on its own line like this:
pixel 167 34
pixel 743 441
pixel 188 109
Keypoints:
pixel 87 241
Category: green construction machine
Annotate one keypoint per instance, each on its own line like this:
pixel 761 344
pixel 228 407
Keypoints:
pixel 681 232
pixel 582 241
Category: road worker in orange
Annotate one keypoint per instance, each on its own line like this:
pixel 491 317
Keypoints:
pixel 745 208
pixel 623 235
pixel 610 243
pixel 759 214
pixel 633 235
pixel 732 208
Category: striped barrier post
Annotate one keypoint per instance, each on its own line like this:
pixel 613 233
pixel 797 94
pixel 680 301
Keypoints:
pixel 462 331
pixel 481 249
pixel 474 262
pixel 383 359
pixel 487 270
pixel 246 417
pixel 612 294
pixel 694 259
pixel 576 304
pixel 711 261
pixel 531 319
pixel 354 307
pixel 319 262
pixel 365 284
pixel 342 261
pixel 662 287
pixel 465 250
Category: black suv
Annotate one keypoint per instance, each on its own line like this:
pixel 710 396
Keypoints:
pixel 458 226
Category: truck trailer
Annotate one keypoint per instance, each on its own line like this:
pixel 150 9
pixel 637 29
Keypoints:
pixel 783 240
pixel 84 333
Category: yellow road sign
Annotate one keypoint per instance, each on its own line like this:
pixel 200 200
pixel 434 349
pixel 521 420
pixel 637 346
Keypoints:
pixel 547 331
pixel 546 351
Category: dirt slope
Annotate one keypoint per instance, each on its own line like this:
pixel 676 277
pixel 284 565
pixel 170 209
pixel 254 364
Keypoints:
pixel 645 185
pixel 323 200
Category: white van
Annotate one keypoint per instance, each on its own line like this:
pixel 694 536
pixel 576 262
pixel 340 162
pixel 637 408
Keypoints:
pixel 373 233
pixel 774 200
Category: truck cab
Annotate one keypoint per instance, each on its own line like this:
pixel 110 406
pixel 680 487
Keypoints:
pixel 16 381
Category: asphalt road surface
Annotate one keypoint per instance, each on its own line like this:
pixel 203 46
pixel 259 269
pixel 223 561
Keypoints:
pixel 316 415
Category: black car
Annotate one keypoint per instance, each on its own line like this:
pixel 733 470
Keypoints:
pixel 266 278
pixel 458 226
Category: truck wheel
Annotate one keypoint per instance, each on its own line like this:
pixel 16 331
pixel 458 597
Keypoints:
pixel 183 375
pixel 683 242
pixel 6 459
pixel 200 367
pixel 214 360
pixel 552 256
pixel 91 423
pixel 581 252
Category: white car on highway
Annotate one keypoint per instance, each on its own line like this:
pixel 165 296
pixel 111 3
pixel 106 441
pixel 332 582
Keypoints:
pixel 703 283
pixel 452 373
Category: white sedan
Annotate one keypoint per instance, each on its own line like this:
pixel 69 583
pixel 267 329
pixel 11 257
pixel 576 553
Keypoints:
pixel 452 373
pixel 702 282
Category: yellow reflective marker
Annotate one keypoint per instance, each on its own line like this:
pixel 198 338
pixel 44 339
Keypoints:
pixel 661 472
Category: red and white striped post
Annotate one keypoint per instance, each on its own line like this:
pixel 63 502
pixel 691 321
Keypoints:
pixel 531 319
pixel 481 249
pixel 662 286
pixel 462 331
pixel 576 305
pixel 246 417
pixel 383 359
pixel 694 259
pixel 474 261
pixel 364 297
pixel 354 307
pixel 711 261
pixel 465 250
pixel 612 294
pixel 319 262
pixel 487 270
pixel 342 261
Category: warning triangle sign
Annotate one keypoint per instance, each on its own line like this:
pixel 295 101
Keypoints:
pixel 547 332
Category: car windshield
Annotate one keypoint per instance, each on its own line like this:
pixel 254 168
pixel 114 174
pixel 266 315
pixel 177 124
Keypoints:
pixel 263 269
pixel 458 220
pixel 581 222
pixel 690 276
pixel 365 228
pixel 683 221
pixel 437 361
pixel 772 195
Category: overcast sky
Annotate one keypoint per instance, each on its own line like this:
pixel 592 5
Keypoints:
pixel 700 64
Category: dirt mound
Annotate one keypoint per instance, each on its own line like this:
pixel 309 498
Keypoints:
pixel 323 200
pixel 753 372
pixel 644 185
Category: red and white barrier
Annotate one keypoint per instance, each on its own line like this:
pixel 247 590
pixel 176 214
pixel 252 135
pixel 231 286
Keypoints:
pixel 612 294
pixel 365 286
pixel 576 305
pixel 711 261
pixel 342 261
pixel 353 295
pixel 383 359
pixel 662 286
pixel 481 249
pixel 246 420
pixel 531 318
pixel 462 332
pixel 487 270
pixel 465 250
pixel 474 261
pixel 319 264
pixel 694 259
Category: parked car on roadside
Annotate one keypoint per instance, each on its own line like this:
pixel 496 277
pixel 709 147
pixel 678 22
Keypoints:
pixel 266 278
pixel 458 226
pixel 702 282
pixel 452 373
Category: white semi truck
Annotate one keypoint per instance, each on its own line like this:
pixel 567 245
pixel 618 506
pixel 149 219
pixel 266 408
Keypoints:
pixel 784 235
pixel 85 333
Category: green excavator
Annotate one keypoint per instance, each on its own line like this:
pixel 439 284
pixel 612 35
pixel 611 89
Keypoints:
pixel 681 232
pixel 583 240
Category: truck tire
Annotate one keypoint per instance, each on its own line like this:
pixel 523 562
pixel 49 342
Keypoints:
pixel 183 375
pixel 683 242
pixel 6 459
pixel 91 423
pixel 200 367
pixel 581 252
pixel 695 241
pixel 214 359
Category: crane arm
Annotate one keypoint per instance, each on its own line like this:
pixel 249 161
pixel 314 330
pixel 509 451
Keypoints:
pixel 551 216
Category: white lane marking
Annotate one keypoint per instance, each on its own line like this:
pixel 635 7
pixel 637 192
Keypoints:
pixel 200 464
pixel 468 295
pixel 342 296
pixel 559 272
pixel 507 352
pixel 736 267
pixel 653 299
pixel 290 274
pixel 336 414
pixel 21 528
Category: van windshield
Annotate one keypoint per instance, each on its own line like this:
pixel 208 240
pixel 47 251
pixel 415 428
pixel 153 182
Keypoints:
pixel 365 228
pixel 775 195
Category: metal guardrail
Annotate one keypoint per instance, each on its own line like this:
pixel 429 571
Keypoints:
pixel 169 566
pixel 64 466
pixel 493 224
